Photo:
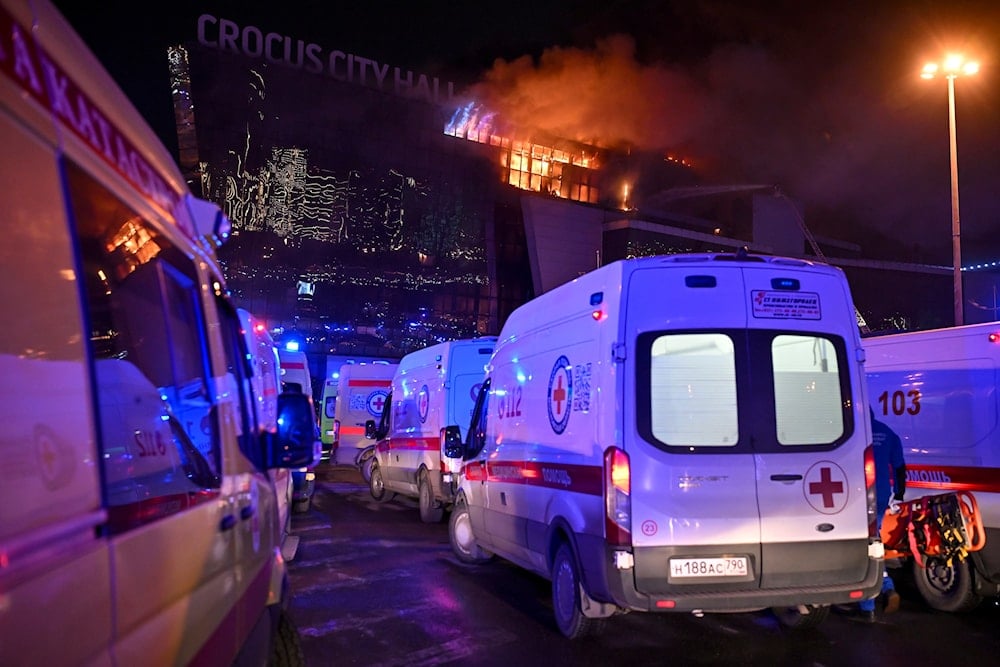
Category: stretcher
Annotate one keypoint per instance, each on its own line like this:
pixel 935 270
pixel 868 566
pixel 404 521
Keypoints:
pixel 948 526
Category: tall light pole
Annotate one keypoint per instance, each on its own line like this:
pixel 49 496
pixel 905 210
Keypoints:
pixel 953 66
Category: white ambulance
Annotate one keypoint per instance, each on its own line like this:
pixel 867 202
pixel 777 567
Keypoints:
pixel 136 511
pixel 680 433
pixel 939 390
pixel 432 388
pixel 361 395
pixel 295 370
pixel 265 373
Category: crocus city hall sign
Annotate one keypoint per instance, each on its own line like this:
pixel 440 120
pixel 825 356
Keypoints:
pixel 225 35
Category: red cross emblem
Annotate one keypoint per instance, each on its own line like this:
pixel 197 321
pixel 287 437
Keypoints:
pixel 825 487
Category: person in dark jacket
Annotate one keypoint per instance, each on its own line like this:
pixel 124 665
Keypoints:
pixel 890 485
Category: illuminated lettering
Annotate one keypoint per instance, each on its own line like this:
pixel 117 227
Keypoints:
pixel 313 52
pixel 362 68
pixel 336 56
pixel 24 65
pixel 203 21
pixel 352 68
pixel 380 73
pixel 401 83
pixel 269 39
pixel 423 88
pixel 253 42
pixel 228 34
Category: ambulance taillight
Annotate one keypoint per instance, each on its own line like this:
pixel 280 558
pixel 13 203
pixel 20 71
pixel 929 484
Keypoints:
pixel 870 491
pixel 617 497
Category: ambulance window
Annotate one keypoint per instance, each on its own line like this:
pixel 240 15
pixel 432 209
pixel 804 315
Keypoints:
pixel 385 417
pixel 692 390
pixel 808 404
pixel 159 448
pixel 239 371
pixel 476 437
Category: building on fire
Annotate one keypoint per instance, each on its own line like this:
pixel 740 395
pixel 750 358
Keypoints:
pixel 375 211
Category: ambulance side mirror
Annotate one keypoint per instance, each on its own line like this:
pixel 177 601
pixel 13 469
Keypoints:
pixel 451 442
pixel 370 431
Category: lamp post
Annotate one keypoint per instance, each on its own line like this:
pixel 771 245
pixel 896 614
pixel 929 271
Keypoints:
pixel 953 67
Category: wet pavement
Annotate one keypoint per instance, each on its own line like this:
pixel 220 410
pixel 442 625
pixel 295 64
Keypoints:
pixel 372 585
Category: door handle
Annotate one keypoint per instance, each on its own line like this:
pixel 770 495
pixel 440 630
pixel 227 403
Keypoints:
pixel 788 477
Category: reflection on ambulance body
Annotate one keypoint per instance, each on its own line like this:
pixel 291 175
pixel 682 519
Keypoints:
pixel 146 453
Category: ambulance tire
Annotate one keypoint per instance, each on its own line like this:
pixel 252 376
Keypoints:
pixel 947 588
pixel 377 486
pixel 463 541
pixel 430 510
pixel 566 605
pixel 792 617
pixel 287 645
pixel 366 470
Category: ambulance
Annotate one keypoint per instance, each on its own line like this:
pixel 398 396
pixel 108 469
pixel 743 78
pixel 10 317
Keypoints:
pixel 682 433
pixel 939 390
pixel 265 373
pixel 432 388
pixel 361 395
pixel 327 413
pixel 295 370
pixel 137 515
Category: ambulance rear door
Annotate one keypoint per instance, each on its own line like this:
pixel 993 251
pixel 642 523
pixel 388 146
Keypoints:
pixel 808 425
pixel 693 474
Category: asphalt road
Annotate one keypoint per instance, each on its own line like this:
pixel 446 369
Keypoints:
pixel 372 585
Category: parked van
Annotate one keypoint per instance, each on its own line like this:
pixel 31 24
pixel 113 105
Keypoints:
pixel 939 390
pixel 136 511
pixel 331 385
pixel 295 377
pixel 264 379
pixel 681 433
pixel 295 370
pixel 361 395
pixel 431 388
pixel 328 415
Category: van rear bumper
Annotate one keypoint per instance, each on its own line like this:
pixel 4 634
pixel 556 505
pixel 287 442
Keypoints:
pixel 619 586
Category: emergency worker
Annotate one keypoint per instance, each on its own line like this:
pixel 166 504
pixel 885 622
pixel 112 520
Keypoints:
pixel 890 484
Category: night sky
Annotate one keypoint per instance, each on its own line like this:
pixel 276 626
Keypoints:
pixel 824 102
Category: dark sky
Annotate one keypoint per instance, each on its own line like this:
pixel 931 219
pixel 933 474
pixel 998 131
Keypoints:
pixel 822 99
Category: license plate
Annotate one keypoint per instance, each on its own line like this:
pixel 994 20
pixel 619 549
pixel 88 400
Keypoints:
pixel 684 568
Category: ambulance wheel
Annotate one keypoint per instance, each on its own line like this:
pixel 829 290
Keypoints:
pixel 366 470
pixel 946 587
pixel 377 485
pixel 566 598
pixel 430 510
pixel 286 650
pixel 463 540
pixel 793 617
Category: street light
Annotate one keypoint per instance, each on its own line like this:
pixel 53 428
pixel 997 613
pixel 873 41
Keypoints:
pixel 953 67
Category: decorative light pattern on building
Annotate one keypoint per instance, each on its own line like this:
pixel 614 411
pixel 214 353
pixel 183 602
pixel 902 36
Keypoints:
pixel 359 233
